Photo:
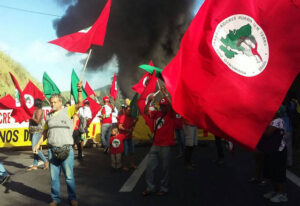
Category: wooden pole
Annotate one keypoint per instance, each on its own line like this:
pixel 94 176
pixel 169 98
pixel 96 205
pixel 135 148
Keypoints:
pixel 86 62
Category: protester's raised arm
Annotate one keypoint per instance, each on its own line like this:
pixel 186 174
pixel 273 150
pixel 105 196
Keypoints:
pixel 166 95
pixel 146 110
pixel 80 100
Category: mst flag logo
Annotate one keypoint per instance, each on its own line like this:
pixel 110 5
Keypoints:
pixel 242 45
pixel 116 143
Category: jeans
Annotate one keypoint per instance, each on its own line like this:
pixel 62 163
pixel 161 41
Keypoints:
pixel 105 134
pixel 156 155
pixel 128 146
pixel 67 167
pixel 180 139
pixel 35 138
pixel 3 172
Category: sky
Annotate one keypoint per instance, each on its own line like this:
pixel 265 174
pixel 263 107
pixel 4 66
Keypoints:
pixel 24 37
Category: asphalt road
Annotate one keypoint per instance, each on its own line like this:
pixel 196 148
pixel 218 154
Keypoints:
pixel 97 184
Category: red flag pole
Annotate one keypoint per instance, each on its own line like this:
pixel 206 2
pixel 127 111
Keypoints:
pixel 86 62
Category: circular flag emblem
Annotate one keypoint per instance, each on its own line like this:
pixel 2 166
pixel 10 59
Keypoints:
pixel 29 100
pixel 116 143
pixel 242 45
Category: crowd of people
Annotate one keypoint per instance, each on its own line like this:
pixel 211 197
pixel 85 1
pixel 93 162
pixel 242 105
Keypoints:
pixel 65 128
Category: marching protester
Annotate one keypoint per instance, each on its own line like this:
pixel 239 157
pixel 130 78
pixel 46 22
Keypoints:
pixel 85 116
pixel 106 123
pixel 4 176
pixel 179 132
pixel 191 140
pixel 274 147
pixel 36 128
pixel 58 130
pixel 163 139
pixel 126 126
pixel 116 148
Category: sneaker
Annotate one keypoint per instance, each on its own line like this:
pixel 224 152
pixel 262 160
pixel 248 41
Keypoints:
pixel 5 180
pixel 269 195
pixel 279 198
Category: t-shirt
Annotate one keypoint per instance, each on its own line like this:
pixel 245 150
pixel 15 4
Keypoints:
pixel 116 144
pixel 106 112
pixel 164 135
pixel 85 112
pixel 179 121
pixel 128 123
pixel 279 123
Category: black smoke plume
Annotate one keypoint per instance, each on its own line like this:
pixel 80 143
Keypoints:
pixel 138 31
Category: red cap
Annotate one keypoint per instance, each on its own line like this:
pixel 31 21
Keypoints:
pixel 106 99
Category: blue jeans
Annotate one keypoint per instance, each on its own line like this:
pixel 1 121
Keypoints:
pixel 67 167
pixel 35 138
pixel 180 140
pixel 156 155
pixel 128 146
pixel 3 172
pixel 105 134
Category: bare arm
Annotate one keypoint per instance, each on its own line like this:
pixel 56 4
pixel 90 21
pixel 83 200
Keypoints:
pixel 41 140
pixel 80 100
pixel 164 92
pixel 146 110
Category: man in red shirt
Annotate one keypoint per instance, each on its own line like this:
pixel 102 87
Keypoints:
pixel 106 123
pixel 163 139
pixel 126 126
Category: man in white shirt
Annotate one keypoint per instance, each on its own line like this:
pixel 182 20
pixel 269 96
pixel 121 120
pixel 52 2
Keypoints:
pixel 85 115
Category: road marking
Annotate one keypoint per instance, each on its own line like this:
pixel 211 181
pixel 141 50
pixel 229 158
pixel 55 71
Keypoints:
pixel 135 176
pixel 293 178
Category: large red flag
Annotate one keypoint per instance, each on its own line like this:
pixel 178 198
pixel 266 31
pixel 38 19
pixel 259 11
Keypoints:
pixel 7 102
pixel 235 64
pixel 114 88
pixel 88 89
pixel 141 85
pixel 30 93
pixel 94 106
pixel 143 100
pixel 82 40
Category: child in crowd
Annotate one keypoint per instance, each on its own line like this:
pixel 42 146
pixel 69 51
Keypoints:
pixel 116 148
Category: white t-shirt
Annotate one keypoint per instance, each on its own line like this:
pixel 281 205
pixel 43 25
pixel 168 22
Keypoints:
pixel 85 112
pixel 279 123
pixel 114 115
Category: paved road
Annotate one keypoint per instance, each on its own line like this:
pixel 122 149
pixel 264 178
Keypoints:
pixel 97 184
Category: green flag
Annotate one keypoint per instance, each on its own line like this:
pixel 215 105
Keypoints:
pixel 74 82
pixel 150 68
pixel 134 107
pixel 49 86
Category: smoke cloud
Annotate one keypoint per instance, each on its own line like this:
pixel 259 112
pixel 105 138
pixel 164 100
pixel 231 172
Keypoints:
pixel 138 31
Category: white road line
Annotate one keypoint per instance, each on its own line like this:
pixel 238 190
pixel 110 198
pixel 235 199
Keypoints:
pixel 135 176
pixel 293 178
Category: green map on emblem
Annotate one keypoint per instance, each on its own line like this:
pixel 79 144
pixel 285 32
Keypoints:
pixel 232 44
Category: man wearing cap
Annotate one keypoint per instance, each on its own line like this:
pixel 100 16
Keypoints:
pixel 106 123
pixel 163 139
pixel 58 129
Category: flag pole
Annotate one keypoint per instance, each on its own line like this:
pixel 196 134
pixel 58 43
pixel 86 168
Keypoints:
pixel 86 62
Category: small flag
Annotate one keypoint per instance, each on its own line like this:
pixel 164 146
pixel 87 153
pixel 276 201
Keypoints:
pixel 49 86
pixel 114 88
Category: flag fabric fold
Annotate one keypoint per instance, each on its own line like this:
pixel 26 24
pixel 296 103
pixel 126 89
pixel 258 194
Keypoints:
pixel 30 93
pixel 142 101
pixel 49 86
pixel 7 102
pixel 81 41
pixel 88 89
pixel 74 90
pixel 134 106
pixel 114 88
pixel 94 106
pixel 234 67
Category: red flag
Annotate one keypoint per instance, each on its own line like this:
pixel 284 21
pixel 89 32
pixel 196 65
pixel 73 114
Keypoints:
pixel 7 102
pixel 30 93
pixel 141 85
pixel 82 40
pixel 143 100
pixel 235 64
pixel 20 115
pixel 88 89
pixel 113 88
pixel 94 106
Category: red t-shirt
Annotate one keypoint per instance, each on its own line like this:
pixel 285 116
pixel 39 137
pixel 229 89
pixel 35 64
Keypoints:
pixel 178 121
pixel 164 135
pixel 116 144
pixel 107 114
pixel 128 123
